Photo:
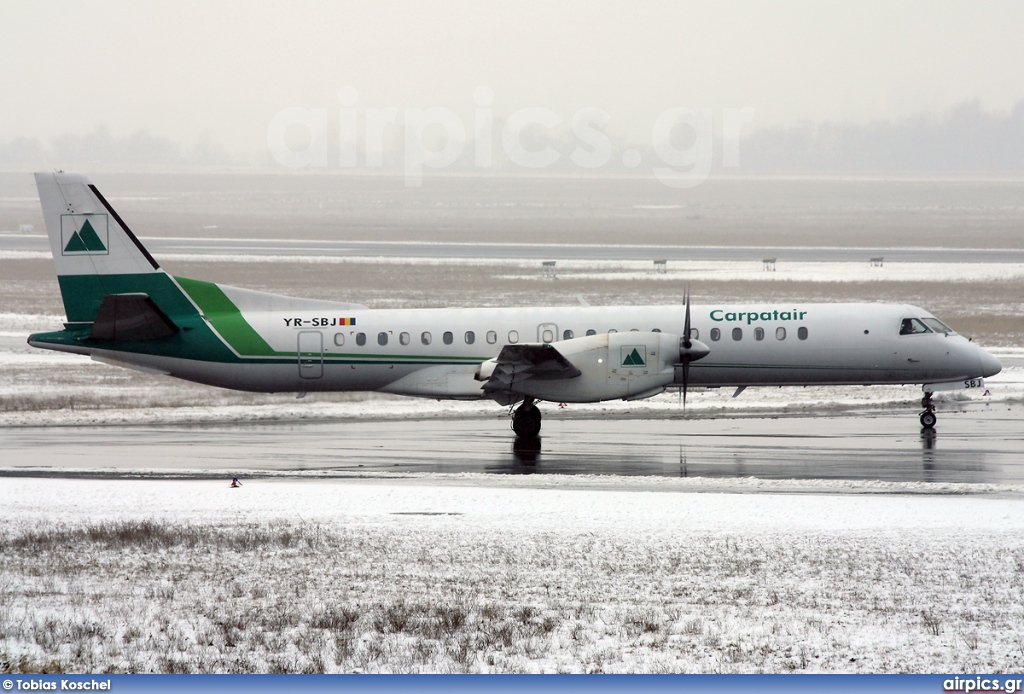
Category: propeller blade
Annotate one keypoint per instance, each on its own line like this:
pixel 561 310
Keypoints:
pixel 686 329
pixel 686 379
pixel 687 344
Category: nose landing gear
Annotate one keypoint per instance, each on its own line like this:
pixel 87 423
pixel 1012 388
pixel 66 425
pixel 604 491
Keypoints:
pixel 526 420
pixel 928 417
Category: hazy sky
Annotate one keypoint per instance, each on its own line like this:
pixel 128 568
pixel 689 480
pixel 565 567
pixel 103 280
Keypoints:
pixel 185 69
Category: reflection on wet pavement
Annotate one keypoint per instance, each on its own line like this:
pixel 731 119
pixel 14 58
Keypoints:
pixel 980 444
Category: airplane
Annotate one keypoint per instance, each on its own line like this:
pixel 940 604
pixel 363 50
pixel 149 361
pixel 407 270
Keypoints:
pixel 123 309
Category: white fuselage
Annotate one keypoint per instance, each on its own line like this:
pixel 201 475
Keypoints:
pixel 438 352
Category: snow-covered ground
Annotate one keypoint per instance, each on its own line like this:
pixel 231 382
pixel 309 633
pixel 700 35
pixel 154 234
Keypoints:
pixel 434 574
pixel 389 572
pixel 469 573
pixel 790 271
pixel 626 270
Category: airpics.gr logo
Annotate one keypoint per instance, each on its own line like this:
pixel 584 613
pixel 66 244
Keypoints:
pixel 84 234
pixel 634 355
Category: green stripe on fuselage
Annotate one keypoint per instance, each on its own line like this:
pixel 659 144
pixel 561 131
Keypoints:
pixel 227 319
pixel 232 326
pixel 83 295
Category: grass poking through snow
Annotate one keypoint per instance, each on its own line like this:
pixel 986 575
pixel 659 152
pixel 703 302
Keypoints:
pixel 153 596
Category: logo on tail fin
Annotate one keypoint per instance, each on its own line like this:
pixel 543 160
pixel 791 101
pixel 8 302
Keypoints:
pixel 84 234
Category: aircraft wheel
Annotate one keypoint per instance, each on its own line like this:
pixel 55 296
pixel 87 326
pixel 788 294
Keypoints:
pixel 526 421
pixel 928 420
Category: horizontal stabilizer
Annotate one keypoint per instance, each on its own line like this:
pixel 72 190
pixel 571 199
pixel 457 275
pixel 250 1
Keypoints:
pixel 130 317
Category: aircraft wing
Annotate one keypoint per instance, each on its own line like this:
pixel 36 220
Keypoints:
pixel 520 362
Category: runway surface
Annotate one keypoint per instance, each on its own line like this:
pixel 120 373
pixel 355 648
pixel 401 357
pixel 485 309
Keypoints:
pixel 977 444
pixel 413 249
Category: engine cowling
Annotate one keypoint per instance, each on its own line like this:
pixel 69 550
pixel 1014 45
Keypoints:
pixel 628 365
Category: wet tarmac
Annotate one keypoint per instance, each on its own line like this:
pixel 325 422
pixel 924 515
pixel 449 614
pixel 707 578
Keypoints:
pixel 981 443
pixel 413 249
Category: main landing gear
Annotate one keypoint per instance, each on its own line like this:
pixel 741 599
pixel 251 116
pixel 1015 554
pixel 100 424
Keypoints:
pixel 928 417
pixel 526 420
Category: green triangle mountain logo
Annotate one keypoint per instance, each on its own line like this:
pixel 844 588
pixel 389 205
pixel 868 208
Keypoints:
pixel 634 359
pixel 85 241
pixel 76 245
pixel 90 239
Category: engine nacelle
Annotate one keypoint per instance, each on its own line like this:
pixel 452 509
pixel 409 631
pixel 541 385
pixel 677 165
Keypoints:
pixel 614 365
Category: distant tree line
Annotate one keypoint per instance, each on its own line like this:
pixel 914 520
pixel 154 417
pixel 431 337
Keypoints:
pixel 100 149
pixel 967 140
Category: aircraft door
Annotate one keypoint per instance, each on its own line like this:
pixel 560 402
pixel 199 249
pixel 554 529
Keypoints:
pixel 547 332
pixel 311 354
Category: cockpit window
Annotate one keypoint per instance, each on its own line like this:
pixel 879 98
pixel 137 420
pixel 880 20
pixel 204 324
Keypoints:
pixel 913 326
pixel 937 325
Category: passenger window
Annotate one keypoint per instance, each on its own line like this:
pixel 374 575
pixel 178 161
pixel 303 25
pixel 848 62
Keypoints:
pixel 382 339
pixel 339 339
pixel 492 337
pixel 470 337
pixel 912 326
pixel 737 334
pixel 655 330
pixel 716 334
pixel 404 338
pixel 758 334
pixel 612 330
pixel 546 336
pixel 634 330
pixel 591 332
pixel 513 336
pixel 425 338
pixel 780 333
pixel 694 334
pixel 801 333
pixel 566 334
pixel 448 337
pixel 360 339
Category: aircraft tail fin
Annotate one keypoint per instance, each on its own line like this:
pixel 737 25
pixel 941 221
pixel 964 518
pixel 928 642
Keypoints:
pixel 95 252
